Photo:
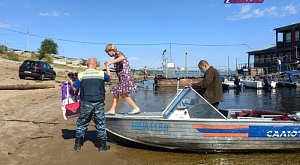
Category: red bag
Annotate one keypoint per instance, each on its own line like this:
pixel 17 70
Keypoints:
pixel 72 109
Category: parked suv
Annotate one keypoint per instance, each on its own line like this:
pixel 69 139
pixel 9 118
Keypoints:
pixel 36 69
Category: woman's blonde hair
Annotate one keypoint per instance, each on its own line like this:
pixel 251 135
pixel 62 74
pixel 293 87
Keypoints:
pixel 110 47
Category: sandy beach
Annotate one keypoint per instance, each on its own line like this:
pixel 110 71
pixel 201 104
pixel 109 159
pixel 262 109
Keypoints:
pixel 33 130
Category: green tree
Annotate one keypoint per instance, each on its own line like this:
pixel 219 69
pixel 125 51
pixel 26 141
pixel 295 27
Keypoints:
pixel 48 46
pixel 83 62
pixel 41 55
pixel 3 49
pixel 49 59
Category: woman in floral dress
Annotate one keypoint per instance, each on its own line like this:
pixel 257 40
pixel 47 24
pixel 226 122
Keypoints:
pixel 126 83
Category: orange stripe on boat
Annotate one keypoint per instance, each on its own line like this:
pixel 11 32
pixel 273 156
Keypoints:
pixel 221 126
pixel 225 135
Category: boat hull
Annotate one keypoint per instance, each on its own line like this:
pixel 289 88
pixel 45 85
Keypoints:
pixel 200 135
pixel 290 85
pixel 291 79
pixel 228 85
pixel 257 84
pixel 174 82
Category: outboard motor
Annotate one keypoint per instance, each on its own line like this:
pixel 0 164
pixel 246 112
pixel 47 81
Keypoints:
pixel 267 83
pixel 236 82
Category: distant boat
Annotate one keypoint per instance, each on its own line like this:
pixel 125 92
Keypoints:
pixel 291 78
pixel 190 123
pixel 259 83
pixel 172 76
pixel 174 82
pixel 228 85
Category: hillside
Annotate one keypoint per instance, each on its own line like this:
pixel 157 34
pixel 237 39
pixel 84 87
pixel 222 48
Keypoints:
pixel 10 62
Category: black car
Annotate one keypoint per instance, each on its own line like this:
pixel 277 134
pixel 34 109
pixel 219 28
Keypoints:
pixel 36 69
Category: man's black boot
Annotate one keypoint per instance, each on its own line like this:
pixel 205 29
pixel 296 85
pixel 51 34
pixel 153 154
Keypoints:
pixel 103 147
pixel 78 144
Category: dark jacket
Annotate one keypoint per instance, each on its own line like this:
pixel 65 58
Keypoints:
pixel 210 87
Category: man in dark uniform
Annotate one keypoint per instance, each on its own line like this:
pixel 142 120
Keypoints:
pixel 210 87
pixel 92 96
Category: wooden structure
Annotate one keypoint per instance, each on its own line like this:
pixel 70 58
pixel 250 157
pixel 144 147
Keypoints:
pixel 174 82
pixel 286 49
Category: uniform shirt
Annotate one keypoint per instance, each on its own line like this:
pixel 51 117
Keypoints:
pixel 91 85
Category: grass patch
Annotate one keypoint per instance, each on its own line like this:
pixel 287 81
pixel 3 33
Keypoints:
pixel 61 76
pixel 11 56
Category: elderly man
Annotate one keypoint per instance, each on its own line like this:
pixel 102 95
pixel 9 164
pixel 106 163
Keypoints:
pixel 92 96
pixel 210 87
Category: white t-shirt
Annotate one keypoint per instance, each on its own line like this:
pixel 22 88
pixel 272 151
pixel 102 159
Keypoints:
pixel 279 62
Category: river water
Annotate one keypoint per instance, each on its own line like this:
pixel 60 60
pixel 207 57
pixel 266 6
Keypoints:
pixel 281 100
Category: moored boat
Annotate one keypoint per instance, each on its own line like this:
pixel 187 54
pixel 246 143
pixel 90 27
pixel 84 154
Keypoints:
pixel 190 123
pixel 291 79
pixel 175 77
pixel 259 84
pixel 174 82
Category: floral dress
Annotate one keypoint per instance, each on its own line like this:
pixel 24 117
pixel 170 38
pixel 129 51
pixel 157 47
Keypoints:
pixel 126 82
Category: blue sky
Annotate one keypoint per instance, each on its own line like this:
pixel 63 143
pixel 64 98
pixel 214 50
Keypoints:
pixel 142 29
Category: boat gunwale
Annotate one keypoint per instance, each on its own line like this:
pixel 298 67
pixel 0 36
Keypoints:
pixel 243 119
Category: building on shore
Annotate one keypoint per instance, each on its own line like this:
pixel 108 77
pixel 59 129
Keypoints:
pixel 286 49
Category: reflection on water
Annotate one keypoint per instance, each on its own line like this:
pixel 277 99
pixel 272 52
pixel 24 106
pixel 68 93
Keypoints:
pixel 281 99
pixel 143 157
pixel 151 99
pixel 148 98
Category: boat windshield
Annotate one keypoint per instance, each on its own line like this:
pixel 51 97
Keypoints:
pixel 196 106
pixel 297 78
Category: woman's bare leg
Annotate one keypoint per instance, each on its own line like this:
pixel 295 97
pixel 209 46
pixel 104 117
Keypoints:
pixel 129 100
pixel 114 104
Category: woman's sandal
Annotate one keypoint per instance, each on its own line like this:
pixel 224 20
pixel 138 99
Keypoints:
pixel 109 113
pixel 134 111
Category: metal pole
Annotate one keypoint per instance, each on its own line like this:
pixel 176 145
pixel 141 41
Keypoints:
pixel 228 67
pixel 296 51
pixel 186 70
pixel 170 51
pixel 28 40
pixel 236 66
pixel 164 63
pixel 171 60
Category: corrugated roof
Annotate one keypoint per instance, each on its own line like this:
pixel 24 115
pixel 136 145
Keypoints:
pixel 288 27
pixel 271 48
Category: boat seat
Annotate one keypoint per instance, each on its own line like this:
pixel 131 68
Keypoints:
pixel 230 113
